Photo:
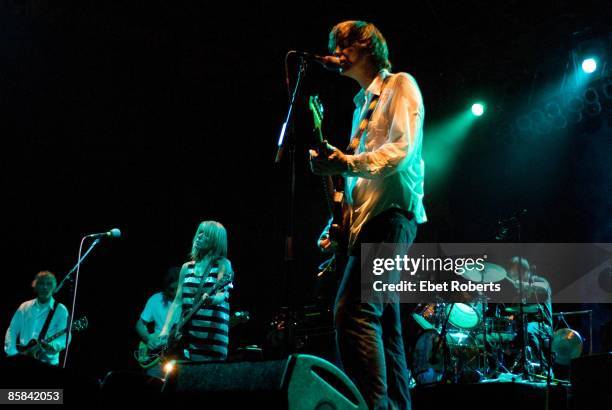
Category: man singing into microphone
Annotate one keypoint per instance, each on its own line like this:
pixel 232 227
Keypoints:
pixel 384 176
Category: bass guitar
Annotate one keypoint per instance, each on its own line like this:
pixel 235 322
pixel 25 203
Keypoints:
pixel 147 357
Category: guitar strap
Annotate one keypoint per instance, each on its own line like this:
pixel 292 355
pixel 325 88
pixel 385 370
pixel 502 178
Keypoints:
pixel 43 331
pixel 363 125
pixel 200 291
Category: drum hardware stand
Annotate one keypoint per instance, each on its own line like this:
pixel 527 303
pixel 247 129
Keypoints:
pixel 487 350
pixel 523 322
pixel 549 370
pixel 515 219
pixel 442 344
pixel 485 343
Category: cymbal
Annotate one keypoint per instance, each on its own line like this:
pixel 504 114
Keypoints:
pixel 567 345
pixel 490 273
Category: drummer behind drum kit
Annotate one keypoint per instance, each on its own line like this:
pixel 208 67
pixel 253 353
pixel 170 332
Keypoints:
pixel 466 342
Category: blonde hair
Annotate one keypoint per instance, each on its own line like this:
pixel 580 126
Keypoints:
pixel 218 238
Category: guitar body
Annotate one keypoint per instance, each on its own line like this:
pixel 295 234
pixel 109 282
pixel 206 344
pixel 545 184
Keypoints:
pixel 148 358
pixel 145 357
pixel 34 349
pixel 338 229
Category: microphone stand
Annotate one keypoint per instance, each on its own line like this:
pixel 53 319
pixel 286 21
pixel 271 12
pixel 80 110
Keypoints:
pixel 76 269
pixel 442 344
pixel 81 259
pixel 523 322
pixel 288 138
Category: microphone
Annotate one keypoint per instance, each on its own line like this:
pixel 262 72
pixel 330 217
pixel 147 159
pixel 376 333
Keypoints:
pixel 330 63
pixel 113 233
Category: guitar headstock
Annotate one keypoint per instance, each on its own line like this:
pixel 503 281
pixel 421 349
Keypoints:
pixel 80 324
pixel 317 110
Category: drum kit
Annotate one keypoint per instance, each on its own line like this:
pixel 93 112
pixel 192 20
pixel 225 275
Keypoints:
pixel 475 341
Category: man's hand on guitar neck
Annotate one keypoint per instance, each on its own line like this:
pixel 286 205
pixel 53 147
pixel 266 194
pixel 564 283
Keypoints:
pixel 332 162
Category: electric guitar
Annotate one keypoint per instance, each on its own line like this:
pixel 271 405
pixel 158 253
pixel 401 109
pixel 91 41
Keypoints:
pixel 334 197
pixel 147 358
pixel 34 348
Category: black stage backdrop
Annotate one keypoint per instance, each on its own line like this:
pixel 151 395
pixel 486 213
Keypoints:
pixel 151 116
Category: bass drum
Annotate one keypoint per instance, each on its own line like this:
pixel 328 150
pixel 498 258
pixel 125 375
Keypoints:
pixel 429 364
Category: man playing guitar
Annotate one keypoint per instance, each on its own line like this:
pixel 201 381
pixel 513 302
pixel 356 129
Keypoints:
pixel 37 318
pixel 154 315
pixel 384 175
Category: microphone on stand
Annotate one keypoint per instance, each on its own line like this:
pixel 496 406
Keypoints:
pixel 330 63
pixel 113 233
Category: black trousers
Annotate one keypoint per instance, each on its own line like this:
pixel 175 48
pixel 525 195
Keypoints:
pixel 369 335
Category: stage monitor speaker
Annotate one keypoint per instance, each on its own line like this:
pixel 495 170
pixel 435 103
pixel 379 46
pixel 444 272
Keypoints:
pixel 590 377
pixel 300 382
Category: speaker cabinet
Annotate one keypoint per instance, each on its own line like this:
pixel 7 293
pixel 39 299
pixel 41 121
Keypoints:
pixel 300 382
pixel 590 377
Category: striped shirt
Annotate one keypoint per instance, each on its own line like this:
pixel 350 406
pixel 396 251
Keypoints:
pixel 206 336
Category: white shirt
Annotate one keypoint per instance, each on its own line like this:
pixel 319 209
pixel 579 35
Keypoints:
pixel 387 170
pixel 27 323
pixel 156 311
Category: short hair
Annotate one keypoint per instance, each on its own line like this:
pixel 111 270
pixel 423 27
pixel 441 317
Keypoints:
pixel 364 36
pixel 44 274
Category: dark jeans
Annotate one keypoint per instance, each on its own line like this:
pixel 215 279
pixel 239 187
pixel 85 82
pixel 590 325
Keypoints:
pixel 369 335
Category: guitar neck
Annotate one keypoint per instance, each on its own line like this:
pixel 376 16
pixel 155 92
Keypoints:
pixel 55 336
pixel 198 305
pixel 333 197
pixel 328 181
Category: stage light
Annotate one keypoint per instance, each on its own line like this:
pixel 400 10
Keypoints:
pixel 589 65
pixel 169 367
pixel 478 109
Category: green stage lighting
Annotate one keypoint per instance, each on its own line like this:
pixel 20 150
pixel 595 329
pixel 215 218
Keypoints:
pixel 478 109
pixel 589 65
